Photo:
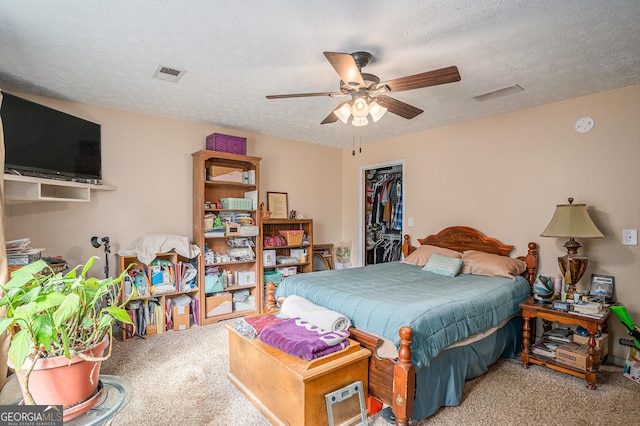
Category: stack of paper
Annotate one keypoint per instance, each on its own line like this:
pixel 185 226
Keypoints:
pixel 588 307
pixel 17 245
pixel 19 253
pixel 559 334
pixel 545 347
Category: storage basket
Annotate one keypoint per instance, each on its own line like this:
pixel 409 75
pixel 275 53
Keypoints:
pixel 237 203
pixel 227 143
pixel 293 237
pixel 272 277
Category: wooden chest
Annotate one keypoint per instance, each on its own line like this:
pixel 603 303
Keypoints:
pixel 290 390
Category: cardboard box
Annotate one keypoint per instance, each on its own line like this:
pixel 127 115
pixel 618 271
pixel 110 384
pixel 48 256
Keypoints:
pixel 602 342
pixel 245 277
pixel 229 177
pixel 218 305
pixel 247 305
pixel 631 368
pixel 215 171
pixel 574 355
pixel 287 271
pixel 269 257
pixel 180 318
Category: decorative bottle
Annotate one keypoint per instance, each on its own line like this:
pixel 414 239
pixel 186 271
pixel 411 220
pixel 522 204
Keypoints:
pixel 557 284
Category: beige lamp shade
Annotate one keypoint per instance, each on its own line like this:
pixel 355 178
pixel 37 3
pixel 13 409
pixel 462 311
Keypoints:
pixel 572 221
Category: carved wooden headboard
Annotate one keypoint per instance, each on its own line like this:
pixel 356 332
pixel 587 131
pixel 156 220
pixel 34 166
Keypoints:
pixel 461 238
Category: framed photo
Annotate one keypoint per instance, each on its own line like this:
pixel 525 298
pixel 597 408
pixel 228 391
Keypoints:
pixel 602 282
pixel 278 205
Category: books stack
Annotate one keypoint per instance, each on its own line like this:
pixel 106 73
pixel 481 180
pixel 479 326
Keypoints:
pixel 559 334
pixel 147 317
pixel 592 309
pixel 546 347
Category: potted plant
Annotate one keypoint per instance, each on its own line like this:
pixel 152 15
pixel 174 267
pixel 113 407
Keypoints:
pixel 60 325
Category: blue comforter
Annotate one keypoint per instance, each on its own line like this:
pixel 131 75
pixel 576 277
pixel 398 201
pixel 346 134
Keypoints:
pixel 441 310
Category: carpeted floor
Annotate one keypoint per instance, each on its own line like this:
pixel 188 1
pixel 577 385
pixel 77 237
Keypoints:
pixel 180 378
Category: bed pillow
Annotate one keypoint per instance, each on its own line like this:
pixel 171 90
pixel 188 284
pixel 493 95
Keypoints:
pixel 480 263
pixel 421 255
pixel 443 265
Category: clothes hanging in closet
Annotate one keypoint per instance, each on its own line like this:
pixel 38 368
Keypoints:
pixel 386 202
pixel 385 250
pixel 383 216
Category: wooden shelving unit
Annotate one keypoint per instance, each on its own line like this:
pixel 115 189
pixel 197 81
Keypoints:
pixel 149 296
pixel 205 194
pixel 273 227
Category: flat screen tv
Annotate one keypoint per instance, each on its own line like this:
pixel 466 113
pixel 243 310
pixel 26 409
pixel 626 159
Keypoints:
pixel 44 142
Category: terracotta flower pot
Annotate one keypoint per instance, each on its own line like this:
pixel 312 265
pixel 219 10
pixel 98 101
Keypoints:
pixel 60 381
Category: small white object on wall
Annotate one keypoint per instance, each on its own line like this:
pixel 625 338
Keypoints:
pixel 584 124
pixel 630 237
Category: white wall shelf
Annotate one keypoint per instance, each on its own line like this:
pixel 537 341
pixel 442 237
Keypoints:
pixel 26 188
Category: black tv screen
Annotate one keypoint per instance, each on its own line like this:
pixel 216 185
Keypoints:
pixel 44 142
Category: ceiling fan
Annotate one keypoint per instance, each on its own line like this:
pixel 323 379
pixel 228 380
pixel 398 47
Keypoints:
pixel 368 95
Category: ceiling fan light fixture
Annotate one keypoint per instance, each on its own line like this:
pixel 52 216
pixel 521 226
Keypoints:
pixel 359 109
pixel 365 90
pixel 359 122
pixel 343 113
pixel 376 111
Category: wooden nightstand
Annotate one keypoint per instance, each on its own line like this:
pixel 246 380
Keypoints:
pixel 531 309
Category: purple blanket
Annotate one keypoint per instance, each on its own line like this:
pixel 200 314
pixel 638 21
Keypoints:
pixel 303 340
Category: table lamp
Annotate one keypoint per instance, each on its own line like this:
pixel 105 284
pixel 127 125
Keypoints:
pixel 572 221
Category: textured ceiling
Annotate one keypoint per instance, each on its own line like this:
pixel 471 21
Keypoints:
pixel 236 52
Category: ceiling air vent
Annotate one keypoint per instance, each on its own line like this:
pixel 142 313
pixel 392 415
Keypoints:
pixel 168 74
pixel 509 90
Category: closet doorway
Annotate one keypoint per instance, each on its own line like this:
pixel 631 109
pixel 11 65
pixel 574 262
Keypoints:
pixel 382 218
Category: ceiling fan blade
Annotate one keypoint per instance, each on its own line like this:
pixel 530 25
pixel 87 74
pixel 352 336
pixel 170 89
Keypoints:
pixel 425 79
pixel 332 117
pixel 398 107
pixel 346 67
pixel 302 95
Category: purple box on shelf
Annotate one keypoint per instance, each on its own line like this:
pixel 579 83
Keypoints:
pixel 227 143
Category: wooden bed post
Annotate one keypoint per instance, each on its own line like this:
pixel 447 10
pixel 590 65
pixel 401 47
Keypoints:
pixel 407 248
pixel 404 379
pixel 271 298
pixel 532 263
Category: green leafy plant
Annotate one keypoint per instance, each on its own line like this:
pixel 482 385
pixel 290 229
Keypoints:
pixel 50 314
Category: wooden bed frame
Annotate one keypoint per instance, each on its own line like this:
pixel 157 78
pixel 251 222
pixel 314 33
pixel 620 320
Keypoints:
pixel 394 381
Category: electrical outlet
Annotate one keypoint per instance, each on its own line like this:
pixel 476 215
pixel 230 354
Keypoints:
pixel 630 237
pixel 410 220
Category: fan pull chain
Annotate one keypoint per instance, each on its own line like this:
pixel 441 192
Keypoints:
pixel 353 143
